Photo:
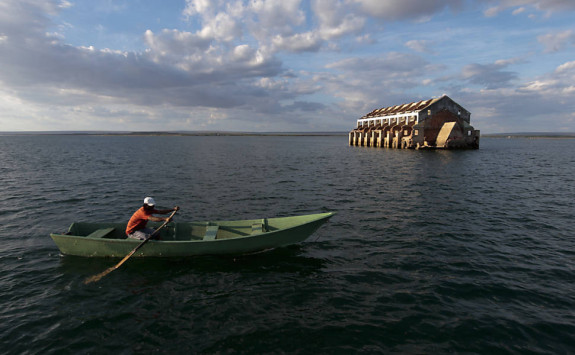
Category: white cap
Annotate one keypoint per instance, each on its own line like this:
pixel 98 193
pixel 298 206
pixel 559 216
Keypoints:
pixel 149 201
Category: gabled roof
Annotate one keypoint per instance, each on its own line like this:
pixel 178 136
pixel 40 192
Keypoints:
pixel 401 109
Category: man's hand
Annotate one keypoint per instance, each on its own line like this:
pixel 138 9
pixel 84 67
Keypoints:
pixel 177 208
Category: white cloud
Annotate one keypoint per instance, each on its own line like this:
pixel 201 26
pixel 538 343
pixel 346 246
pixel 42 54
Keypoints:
pixel 198 7
pixel 518 11
pixel 280 16
pixel 176 43
pixel 550 6
pixel 421 46
pixel 542 104
pixel 554 42
pixel 566 67
pixel 222 27
pixel 336 19
pixel 493 11
pixel 299 42
pixel 558 84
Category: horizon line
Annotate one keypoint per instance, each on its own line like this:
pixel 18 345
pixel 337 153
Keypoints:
pixel 239 133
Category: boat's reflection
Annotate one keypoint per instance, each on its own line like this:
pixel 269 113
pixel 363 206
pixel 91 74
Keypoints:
pixel 291 259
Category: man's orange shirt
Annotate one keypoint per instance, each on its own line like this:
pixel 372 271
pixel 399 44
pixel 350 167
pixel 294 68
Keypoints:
pixel 138 220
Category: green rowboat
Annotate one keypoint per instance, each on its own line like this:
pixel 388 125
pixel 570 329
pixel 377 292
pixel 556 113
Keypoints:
pixel 188 239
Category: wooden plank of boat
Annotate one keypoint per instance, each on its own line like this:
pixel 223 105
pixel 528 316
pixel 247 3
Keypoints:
pixel 189 239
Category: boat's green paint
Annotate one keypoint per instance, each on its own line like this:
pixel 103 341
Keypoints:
pixel 188 239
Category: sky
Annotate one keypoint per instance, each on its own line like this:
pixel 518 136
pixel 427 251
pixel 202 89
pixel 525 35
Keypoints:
pixel 282 65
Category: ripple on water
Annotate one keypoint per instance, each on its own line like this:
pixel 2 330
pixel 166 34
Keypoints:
pixel 430 252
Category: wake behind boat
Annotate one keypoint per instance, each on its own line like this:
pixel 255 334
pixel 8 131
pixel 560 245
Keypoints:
pixel 189 239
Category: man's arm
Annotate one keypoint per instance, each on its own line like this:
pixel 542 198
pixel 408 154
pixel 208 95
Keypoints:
pixel 166 211
pixel 157 219
pixel 162 219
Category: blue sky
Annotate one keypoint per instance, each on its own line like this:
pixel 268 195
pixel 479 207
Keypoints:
pixel 289 65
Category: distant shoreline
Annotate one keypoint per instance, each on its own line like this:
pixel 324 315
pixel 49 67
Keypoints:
pixel 532 135
pixel 152 133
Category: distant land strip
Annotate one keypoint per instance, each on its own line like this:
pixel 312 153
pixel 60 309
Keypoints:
pixel 557 135
pixel 554 135
pixel 173 133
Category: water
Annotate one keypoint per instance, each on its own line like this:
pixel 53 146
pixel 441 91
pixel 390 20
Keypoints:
pixel 430 252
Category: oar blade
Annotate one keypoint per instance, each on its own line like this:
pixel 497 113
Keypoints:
pixel 96 278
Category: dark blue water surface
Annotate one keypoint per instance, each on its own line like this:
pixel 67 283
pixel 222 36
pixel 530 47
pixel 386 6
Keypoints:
pixel 430 252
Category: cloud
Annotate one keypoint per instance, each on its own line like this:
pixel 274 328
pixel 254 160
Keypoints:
pixel 566 67
pixel 297 43
pixel 199 58
pixel 407 9
pixel 208 68
pixel 306 106
pixel 19 19
pixel 282 64
pixel 336 19
pixel 390 65
pixel 559 84
pixel 262 19
pixel 365 83
pixel 280 16
pixel 421 46
pixel 549 6
pixel 222 27
pixel 554 42
pixel 179 68
pixel 491 76
pixel 518 11
pixel 527 107
pixel 177 43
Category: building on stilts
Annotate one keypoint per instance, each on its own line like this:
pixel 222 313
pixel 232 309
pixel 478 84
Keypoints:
pixel 431 124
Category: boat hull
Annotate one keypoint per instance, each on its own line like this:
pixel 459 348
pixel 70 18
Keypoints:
pixel 175 244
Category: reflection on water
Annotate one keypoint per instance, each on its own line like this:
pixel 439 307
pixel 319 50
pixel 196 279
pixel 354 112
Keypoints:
pixel 289 259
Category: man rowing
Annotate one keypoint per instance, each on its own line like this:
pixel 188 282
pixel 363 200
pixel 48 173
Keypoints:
pixel 136 227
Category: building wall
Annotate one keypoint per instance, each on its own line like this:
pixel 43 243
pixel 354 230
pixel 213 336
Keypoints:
pixel 432 125
pixel 445 103
pixel 406 133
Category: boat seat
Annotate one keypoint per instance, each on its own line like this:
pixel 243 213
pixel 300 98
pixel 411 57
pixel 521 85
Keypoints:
pixel 100 233
pixel 257 228
pixel 211 232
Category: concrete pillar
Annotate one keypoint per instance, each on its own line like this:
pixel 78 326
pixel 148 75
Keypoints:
pixel 387 140
pixel 397 139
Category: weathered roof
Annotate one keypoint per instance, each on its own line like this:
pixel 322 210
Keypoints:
pixel 400 109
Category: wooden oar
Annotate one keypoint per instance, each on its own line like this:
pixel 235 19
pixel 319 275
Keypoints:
pixel 97 277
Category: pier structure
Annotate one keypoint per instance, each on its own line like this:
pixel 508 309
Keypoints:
pixel 430 124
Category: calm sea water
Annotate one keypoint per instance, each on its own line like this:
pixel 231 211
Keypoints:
pixel 430 252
